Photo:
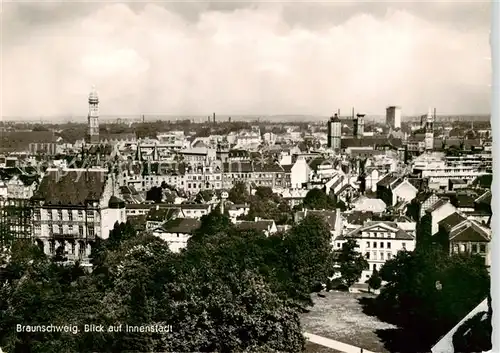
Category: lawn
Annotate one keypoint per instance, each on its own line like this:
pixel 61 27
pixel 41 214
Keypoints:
pixel 339 316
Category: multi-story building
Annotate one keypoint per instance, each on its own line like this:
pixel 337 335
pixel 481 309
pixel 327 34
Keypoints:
pixel 334 132
pixel 16 218
pixel 72 208
pixel 378 241
pixel 393 117
pixel 392 189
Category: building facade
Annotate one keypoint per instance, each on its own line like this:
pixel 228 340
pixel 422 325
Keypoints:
pixel 393 117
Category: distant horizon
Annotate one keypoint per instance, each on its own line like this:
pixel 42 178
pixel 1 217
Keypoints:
pixel 218 117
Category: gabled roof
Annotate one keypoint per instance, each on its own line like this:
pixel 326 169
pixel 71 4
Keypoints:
pixel 388 180
pixel 181 225
pixel 390 226
pixel 452 221
pixel 261 225
pixel 358 217
pixel 439 203
pixel 71 187
pixel 485 198
pixel 463 200
pixel 483 181
pixel 469 232
pixel 163 214
pixel 330 217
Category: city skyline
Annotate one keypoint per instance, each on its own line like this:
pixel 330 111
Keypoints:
pixel 245 58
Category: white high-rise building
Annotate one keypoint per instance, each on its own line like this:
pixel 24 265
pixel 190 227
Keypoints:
pixel 393 117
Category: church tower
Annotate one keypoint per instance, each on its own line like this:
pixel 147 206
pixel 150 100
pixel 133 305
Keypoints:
pixel 93 118
pixel 429 130
pixel 359 125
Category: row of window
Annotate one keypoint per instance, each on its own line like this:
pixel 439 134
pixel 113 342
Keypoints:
pixel 382 255
pixel 57 229
pixel 476 248
pixel 58 214
pixel 381 244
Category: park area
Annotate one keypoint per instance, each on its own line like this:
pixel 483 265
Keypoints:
pixel 339 316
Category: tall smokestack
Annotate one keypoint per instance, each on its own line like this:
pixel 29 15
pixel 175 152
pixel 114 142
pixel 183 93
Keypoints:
pixel 338 113
pixel 229 119
pixel 434 113
pixel 214 117
pixel 353 112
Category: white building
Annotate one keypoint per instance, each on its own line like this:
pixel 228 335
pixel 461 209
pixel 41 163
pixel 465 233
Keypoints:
pixel 378 242
pixel 177 232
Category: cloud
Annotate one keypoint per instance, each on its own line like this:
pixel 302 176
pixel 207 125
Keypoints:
pixel 242 58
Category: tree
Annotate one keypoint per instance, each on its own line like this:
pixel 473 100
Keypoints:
pixel 264 192
pixel 309 252
pixel 411 298
pixel 204 196
pixel 239 193
pixel 155 194
pixel 374 281
pixel 351 262
pixel 317 199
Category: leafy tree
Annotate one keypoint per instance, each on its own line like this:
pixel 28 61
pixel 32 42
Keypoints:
pixel 264 192
pixel 155 194
pixel 352 263
pixel 374 281
pixel 317 199
pixel 239 193
pixel 411 298
pixel 309 252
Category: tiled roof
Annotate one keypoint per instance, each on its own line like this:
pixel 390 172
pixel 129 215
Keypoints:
pixel 71 187
pixel 469 232
pixel 330 217
pixel 463 200
pixel 483 181
pixel 485 198
pixel 181 225
pixel 262 225
pixel 162 214
pixel 267 168
pixel 387 180
pixel 358 217
pixel 437 205
pixel 452 221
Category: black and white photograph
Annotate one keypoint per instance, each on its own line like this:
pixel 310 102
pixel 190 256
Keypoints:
pixel 247 176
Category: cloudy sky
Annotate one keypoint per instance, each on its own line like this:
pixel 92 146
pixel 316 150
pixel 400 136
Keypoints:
pixel 245 58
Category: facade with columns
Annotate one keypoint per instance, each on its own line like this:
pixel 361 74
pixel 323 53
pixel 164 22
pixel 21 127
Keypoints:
pixel 72 208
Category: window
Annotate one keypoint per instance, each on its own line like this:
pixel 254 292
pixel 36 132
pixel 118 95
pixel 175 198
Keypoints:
pixel 374 255
pixel 91 231
pixel 70 228
pixel 381 255
pixel 59 230
pixel 389 256
pixel 52 246
pixel 375 244
pixel 70 215
pixel 404 245
pixel 367 244
pixel 482 248
pixel 59 214
pixel 80 215
pixel 367 255
pixel 80 231
pixel 73 248
pixel 49 214
pixel 374 267
pixel 475 248
pixel 381 244
pixel 388 245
